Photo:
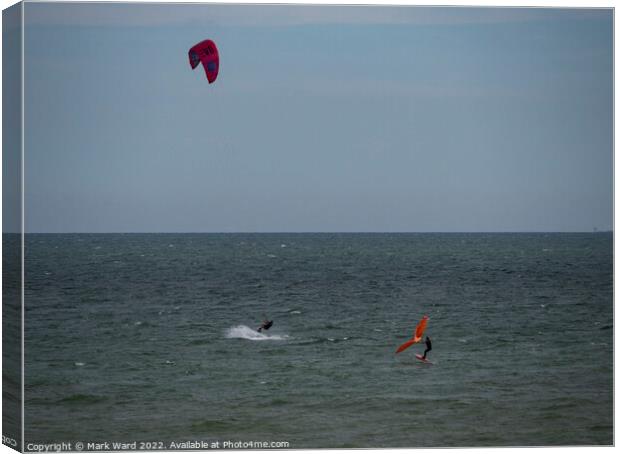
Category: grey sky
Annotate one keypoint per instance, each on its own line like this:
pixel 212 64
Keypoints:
pixel 322 119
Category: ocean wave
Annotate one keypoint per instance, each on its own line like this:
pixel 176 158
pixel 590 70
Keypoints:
pixel 321 340
pixel 212 424
pixel 245 332
pixel 82 398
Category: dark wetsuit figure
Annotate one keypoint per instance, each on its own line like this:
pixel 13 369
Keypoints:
pixel 429 346
pixel 266 325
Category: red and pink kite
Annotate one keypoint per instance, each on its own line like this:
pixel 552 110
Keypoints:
pixel 206 52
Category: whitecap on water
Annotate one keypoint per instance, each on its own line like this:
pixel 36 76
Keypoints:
pixel 79 364
pixel 245 332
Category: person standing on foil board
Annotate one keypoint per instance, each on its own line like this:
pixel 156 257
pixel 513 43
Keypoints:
pixel 429 346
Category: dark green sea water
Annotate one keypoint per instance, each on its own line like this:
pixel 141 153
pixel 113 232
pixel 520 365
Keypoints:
pixel 150 337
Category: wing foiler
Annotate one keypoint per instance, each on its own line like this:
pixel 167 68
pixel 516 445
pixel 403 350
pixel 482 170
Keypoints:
pixel 417 335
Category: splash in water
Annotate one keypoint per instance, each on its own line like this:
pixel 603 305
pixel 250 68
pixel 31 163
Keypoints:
pixel 245 332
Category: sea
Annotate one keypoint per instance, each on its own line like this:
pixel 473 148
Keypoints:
pixel 152 339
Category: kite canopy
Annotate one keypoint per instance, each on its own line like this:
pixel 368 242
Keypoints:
pixel 417 335
pixel 205 52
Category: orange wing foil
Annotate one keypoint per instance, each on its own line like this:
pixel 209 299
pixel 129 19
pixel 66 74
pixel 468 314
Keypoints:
pixel 419 330
pixel 405 346
pixel 417 335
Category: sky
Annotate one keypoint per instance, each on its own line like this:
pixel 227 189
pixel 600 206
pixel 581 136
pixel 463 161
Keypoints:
pixel 322 119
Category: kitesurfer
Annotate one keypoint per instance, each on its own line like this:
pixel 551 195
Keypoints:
pixel 266 325
pixel 429 347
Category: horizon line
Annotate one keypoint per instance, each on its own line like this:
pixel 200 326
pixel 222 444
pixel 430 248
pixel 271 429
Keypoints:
pixel 300 232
